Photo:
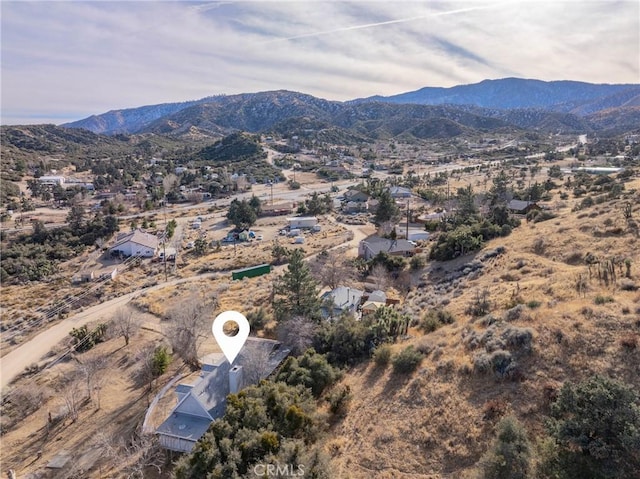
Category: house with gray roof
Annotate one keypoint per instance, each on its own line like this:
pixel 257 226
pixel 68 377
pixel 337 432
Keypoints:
pixel 371 246
pixel 522 207
pixel 203 401
pixel 135 243
pixel 400 192
pixel 341 300
pixel 356 196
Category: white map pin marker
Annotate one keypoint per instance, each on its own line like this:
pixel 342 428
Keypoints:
pixel 230 345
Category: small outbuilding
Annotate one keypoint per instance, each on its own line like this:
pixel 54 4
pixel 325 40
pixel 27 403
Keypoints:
pixel 522 207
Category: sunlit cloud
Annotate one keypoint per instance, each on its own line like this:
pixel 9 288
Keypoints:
pixel 66 60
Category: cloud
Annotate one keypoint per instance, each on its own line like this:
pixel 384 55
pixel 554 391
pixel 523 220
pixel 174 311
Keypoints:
pixel 81 58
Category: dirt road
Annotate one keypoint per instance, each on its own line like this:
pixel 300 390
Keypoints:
pixel 33 350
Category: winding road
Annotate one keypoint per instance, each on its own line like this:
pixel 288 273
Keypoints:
pixel 33 350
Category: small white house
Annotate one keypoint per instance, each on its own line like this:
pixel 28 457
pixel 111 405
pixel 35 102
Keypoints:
pixel 51 180
pixel 136 243
pixel 302 222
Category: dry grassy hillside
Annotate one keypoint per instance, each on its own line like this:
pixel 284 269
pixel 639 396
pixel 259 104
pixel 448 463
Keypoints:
pixel 548 321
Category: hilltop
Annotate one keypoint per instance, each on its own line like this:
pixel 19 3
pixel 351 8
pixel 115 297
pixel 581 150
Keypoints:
pixel 491 105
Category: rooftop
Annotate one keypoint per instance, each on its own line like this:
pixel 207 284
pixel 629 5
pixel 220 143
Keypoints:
pixel 139 237
pixel 376 244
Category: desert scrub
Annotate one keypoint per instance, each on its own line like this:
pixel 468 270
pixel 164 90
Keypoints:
pixel 382 355
pixel 500 363
pixel 407 360
pixel 435 319
pixel 603 300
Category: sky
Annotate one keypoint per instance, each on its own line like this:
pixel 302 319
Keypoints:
pixel 66 60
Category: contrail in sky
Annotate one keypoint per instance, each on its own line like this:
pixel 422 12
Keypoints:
pixel 388 22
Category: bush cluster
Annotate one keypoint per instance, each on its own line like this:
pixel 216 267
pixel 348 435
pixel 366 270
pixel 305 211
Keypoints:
pixel 407 360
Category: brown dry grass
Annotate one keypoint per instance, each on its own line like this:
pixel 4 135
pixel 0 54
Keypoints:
pixel 33 444
pixel 434 423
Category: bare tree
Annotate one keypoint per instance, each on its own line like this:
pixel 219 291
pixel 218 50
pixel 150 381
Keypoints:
pixel 331 268
pixel 72 396
pixel 134 456
pixel 93 369
pixel 189 325
pixel 297 334
pixel 403 282
pixel 380 277
pixel 142 452
pixel 170 184
pixel 255 363
pixel 126 324
pixel 21 402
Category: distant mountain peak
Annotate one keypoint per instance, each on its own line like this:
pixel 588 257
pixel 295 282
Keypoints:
pixel 430 112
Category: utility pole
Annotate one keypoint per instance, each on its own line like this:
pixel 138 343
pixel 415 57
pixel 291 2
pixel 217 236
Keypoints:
pixel 407 231
pixel 164 240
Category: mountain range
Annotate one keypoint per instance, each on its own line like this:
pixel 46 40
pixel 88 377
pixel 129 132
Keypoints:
pixel 555 107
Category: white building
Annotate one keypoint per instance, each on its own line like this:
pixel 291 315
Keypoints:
pixel 302 222
pixel 136 243
pixel 51 180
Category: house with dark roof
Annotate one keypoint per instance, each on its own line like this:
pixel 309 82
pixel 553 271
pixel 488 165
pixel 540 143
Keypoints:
pixel 522 207
pixel 371 246
pixel 203 401
pixel 136 243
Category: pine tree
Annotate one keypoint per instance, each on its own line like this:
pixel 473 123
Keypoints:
pixel 510 455
pixel 387 209
pixel 296 290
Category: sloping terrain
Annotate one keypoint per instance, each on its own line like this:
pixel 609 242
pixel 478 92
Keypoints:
pixel 438 421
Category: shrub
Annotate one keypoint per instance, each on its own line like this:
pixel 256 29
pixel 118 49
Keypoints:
pixel 480 305
pixel 436 318
pixel 628 285
pixel 425 347
pixel 429 324
pixel 339 400
pixel 84 340
pixel 416 262
pixel 603 299
pixel 312 370
pixel 539 215
pixel 494 408
pixel 382 355
pixel 499 362
pixel 407 360
pixel 586 202
pixel 518 338
pixel 514 313
pixel 596 428
pixel 257 319
pixel 533 304
pixel 539 246
pixel 160 361
pixel 510 454
pixel 629 341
